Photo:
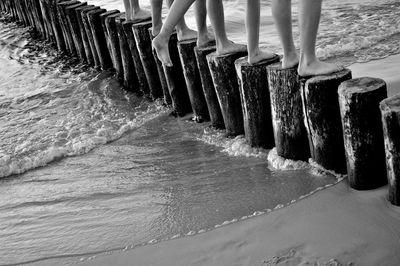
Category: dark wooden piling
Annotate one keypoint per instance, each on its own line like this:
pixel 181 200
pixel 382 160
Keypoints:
pixel 99 38
pixel 362 131
pixel 164 85
pixel 210 95
pixel 176 80
pixel 130 79
pixel 323 121
pixel 193 80
pixel 290 134
pixel 254 92
pixel 223 73
pixel 46 19
pixel 142 84
pixel 143 42
pixel 65 27
pixel 89 34
pixel 75 30
pixel 85 40
pixel 110 32
pixel 58 35
pixel 390 109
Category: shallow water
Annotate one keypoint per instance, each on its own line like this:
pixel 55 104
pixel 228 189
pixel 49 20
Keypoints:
pixel 86 167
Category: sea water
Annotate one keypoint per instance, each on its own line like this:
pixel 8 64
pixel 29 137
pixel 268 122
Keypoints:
pixel 87 168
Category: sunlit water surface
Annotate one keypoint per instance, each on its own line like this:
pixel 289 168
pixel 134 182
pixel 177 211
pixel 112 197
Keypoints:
pixel 86 167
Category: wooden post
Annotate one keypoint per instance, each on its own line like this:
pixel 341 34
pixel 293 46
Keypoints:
pixel 164 85
pixel 323 121
pixel 290 134
pixel 75 31
pixel 214 109
pixel 193 80
pixel 223 73
pixel 112 39
pixel 46 20
pixel 85 41
pixel 362 131
pixel 390 109
pixel 58 35
pixel 89 35
pixel 254 92
pixel 131 82
pixel 142 84
pixel 99 38
pixel 176 80
pixel 143 42
pixel 65 27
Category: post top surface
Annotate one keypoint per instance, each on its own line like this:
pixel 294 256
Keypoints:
pixel 209 47
pixel 214 55
pixel 332 76
pixel 391 104
pixel 96 11
pixel 144 23
pixel 81 8
pixel 66 3
pixel 110 12
pixel 75 5
pixel 189 41
pixel 361 85
pixel 86 9
pixel 243 61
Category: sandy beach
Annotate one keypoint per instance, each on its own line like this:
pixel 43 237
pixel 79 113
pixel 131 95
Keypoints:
pixel 335 226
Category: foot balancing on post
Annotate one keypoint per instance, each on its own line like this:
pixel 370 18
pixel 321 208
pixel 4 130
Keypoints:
pixel 309 17
pixel 134 12
pixel 216 14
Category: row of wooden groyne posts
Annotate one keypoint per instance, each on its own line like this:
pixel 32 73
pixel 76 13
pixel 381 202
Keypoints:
pixel 345 125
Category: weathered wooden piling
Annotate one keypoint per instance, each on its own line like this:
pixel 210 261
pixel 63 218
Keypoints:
pixel 75 30
pixel 323 121
pixel 46 19
pixel 142 84
pixel 223 73
pixel 290 134
pixel 193 80
pixel 143 42
pixel 362 131
pixel 210 95
pixel 89 34
pixel 176 80
pixel 59 38
pixel 254 92
pixel 130 78
pixel 99 38
pixel 164 85
pixel 65 27
pixel 390 109
pixel 85 41
pixel 111 34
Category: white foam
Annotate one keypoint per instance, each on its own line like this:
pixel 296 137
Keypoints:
pixel 281 163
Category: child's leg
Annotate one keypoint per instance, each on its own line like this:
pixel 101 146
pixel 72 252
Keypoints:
pixel 156 11
pixel 309 16
pixel 253 33
pixel 201 22
pixel 216 14
pixel 183 31
pixel 175 15
pixel 128 10
pixel 282 13
pixel 136 12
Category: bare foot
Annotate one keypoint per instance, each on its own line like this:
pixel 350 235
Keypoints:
pixel 160 44
pixel 230 47
pixel 203 39
pixel 260 56
pixel 155 30
pixel 141 14
pixel 186 34
pixel 290 60
pixel 317 68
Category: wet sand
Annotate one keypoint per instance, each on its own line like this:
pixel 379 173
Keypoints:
pixel 336 226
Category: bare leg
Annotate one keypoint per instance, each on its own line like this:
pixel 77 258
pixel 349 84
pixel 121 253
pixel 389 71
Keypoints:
pixel 128 10
pixel 216 14
pixel 182 30
pixel 282 13
pixel 156 10
pixel 203 36
pixel 253 33
pixel 309 16
pixel 136 12
pixel 175 15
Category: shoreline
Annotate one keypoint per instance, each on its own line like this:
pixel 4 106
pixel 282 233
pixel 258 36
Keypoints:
pixel 336 226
